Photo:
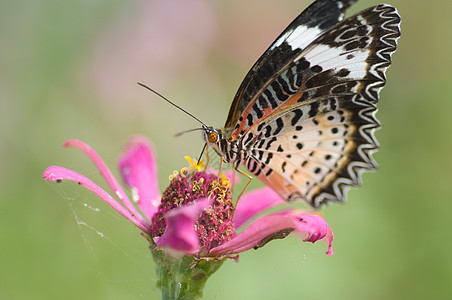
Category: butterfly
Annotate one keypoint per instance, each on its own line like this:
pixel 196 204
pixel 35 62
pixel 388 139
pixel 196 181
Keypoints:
pixel 303 119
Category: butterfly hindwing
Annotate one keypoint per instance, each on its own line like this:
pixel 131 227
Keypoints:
pixel 321 155
pixel 310 128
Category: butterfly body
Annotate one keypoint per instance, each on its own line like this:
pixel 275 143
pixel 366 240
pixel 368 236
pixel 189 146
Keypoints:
pixel 303 119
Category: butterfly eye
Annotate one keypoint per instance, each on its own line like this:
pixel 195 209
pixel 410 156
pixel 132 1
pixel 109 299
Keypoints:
pixel 213 137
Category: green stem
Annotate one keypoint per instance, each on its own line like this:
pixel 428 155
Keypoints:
pixel 183 278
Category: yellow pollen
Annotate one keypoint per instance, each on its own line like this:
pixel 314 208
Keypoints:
pixel 224 182
pixel 196 186
pixel 184 171
pixel 174 175
pixel 194 164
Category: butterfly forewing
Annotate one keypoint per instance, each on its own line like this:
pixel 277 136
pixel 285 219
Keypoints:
pixel 307 121
pixel 308 26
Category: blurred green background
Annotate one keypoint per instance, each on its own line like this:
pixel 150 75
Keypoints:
pixel 68 69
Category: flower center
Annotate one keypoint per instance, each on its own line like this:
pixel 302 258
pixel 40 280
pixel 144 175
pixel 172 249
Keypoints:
pixel 214 225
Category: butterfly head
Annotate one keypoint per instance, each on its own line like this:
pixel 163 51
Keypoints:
pixel 213 137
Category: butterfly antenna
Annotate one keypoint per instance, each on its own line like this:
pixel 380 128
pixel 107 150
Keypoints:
pixel 173 104
pixel 186 131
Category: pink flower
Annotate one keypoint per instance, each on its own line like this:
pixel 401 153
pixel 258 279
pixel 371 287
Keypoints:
pixel 195 215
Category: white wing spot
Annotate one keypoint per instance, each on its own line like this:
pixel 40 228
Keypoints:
pixel 300 37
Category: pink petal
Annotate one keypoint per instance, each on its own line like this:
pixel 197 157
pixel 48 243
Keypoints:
pixel 55 173
pixel 106 173
pixel 232 178
pixel 329 237
pixel 139 170
pixel 314 227
pixel 180 233
pixel 253 203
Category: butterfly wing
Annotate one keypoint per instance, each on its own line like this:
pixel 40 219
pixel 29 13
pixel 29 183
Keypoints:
pixel 310 129
pixel 320 157
pixel 309 25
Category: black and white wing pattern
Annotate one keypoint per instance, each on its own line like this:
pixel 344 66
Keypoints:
pixel 303 120
pixel 308 26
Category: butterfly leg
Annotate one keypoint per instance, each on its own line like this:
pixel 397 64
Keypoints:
pixel 207 157
pixel 233 183
pixel 221 165
pixel 246 186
